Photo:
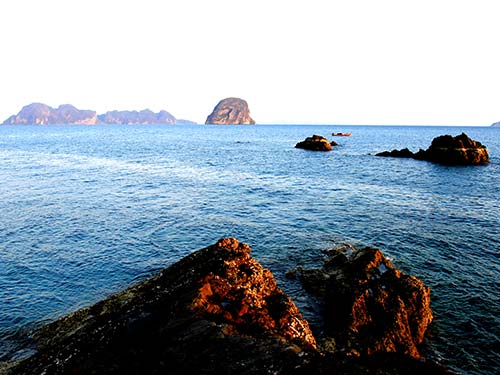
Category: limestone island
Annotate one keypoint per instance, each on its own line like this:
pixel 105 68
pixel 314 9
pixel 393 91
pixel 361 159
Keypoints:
pixel 67 114
pixel 496 124
pixel 230 111
pixel 218 311
pixel 448 150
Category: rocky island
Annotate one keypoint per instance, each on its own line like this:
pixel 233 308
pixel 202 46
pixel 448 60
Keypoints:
pixel 230 111
pixel 496 124
pixel 445 149
pixel 42 114
pixel 316 143
pixel 219 311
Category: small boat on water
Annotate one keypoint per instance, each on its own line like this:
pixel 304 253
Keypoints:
pixel 341 134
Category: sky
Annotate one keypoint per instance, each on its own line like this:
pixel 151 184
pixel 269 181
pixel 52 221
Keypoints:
pixel 294 62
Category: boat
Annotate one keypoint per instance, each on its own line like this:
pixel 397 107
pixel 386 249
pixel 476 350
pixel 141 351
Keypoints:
pixel 341 134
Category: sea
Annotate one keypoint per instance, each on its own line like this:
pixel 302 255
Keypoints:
pixel 86 211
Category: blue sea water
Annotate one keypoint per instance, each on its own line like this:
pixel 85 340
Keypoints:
pixel 88 210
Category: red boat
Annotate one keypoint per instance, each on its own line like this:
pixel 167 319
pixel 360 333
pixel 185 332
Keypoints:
pixel 341 134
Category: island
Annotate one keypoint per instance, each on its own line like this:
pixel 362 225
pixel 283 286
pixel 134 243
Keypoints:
pixel 496 124
pixel 230 111
pixel 67 114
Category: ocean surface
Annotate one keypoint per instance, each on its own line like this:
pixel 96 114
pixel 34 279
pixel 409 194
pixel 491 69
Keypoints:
pixel 88 210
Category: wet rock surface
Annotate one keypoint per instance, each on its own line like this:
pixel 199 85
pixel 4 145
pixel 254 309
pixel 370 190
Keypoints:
pixel 230 111
pixel 316 143
pixel 445 149
pixel 218 311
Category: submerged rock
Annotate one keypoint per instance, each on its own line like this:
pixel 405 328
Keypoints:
pixel 230 111
pixel 370 307
pixel 315 143
pixel 459 150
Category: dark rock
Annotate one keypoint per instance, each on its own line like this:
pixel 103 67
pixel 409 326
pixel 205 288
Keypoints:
pixel 315 143
pixel 215 311
pixel 144 117
pixel 459 150
pixel 404 153
pixel 230 111
pixel 42 114
pixel 370 307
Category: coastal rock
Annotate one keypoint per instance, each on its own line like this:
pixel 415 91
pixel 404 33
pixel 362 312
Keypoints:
pixel 144 117
pixel 42 114
pixel 230 111
pixel 459 150
pixel 315 143
pixel 215 311
pixel 369 306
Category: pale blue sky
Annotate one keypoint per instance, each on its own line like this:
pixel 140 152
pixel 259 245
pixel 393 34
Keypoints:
pixel 336 62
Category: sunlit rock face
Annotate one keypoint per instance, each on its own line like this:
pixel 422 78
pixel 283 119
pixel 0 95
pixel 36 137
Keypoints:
pixel 370 307
pixel 315 143
pixel 230 111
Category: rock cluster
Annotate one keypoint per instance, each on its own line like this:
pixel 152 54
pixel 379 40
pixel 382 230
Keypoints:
pixel 369 306
pixel 316 143
pixel 218 311
pixel 459 150
pixel 143 117
pixel 230 111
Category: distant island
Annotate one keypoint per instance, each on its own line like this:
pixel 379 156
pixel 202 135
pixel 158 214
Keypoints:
pixel 67 114
pixel 496 124
pixel 230 111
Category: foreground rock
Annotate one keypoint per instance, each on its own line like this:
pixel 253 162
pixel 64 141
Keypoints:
pixel 459 150
pixel 230 111
pixel 370 307
pixel 316 143
pixel 217 311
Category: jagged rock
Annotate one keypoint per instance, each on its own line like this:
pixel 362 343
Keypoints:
pixel 215 311
pixel 42 114
pixel 370 307
pixel 230 111
pixel 144 117
pixel 459 150
pixel 315 143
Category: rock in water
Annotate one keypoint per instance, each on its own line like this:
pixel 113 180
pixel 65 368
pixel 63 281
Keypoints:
pixel 42 114
pixel 230 111
pixel 459 150
pixel 370 307
pixel 215 311
pixel 315 143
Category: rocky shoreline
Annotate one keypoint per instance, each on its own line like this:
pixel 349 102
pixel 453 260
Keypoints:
pixel 219 311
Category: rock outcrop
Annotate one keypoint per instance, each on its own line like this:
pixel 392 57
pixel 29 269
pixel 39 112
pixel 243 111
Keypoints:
pixel 459 150
pixel 144 117
pixel 230 111
pixel 42 114
pixel 370 307
pixel 217 311
pixel 316 143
